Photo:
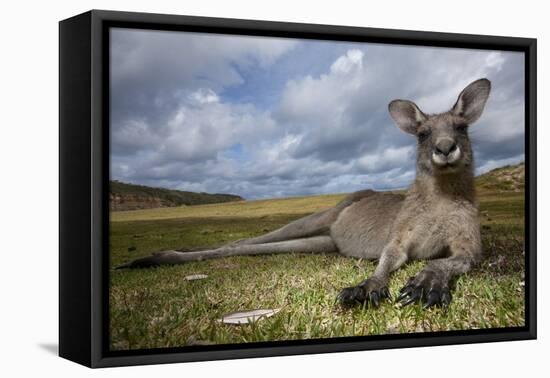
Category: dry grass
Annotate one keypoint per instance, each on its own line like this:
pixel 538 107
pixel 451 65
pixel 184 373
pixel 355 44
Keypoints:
pixel 245 209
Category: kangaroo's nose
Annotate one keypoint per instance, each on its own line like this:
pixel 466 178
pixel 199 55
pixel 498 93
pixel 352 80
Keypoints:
pixel 445 146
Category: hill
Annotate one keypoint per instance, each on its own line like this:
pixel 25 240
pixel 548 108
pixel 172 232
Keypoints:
pixel 510 178
pixel 125 196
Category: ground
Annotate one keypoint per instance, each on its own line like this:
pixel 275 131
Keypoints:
pixel 157 307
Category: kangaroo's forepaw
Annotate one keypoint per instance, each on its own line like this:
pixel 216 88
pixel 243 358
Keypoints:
pixel 370 291
pixel 428 287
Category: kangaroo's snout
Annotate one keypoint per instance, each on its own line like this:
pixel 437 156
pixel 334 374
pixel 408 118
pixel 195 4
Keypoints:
pixel 446 152
pixel 445 146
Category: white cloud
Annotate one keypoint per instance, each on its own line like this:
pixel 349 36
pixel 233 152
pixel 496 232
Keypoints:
pixel 495 60
pixel 386 159
pixel 132 136
pixel 309 101
pixel 204 96
pixel 353 60
pixel 204 130
pixel 500 125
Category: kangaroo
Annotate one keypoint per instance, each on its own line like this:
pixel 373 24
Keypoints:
pixel 436 219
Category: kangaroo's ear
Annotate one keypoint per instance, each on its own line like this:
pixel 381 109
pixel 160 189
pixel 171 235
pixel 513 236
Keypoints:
pixel 472 99
pixel 406 115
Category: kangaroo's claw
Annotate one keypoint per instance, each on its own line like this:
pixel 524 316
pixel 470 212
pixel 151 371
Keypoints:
pixel 427 287
pixel 369 291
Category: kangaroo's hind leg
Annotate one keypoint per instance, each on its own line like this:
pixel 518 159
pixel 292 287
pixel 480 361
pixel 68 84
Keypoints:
pixel 315 224
pixel 316 244
pixel 311 225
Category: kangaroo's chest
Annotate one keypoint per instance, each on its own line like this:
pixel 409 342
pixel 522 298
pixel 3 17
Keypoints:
pixel 426 231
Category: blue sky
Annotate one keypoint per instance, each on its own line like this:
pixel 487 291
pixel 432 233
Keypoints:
pixel 269 117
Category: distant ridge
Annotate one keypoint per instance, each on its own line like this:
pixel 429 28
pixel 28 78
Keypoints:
pixel 125 196
pixel 510 178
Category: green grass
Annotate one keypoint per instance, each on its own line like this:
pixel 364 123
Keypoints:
pixel 154 308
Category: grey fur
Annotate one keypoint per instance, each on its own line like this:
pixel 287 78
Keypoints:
pixel 437 219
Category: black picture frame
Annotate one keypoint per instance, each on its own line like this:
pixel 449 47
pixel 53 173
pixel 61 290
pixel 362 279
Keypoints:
pixel 84 186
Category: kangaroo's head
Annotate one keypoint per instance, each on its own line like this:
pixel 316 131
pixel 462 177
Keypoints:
pixel 443 144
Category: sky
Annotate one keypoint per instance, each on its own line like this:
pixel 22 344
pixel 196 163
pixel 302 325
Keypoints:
pixel 266 117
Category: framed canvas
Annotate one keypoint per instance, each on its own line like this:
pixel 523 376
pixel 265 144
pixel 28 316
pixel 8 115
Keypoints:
pixel 234 188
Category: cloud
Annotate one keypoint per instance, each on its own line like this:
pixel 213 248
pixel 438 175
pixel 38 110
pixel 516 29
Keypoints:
pixel 267 117
pixel 344 65
pixel 386 159
pixel 152 71
pixel 163 60
pixel 204 96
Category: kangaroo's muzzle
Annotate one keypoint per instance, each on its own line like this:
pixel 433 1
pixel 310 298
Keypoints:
pixel 445 152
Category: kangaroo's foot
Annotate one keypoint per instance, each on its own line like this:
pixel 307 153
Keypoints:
pixel 156 259
pixel 429 286
pixel 371 290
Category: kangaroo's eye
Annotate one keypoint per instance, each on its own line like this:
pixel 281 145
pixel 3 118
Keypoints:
pixel 423 135
pixel 462 127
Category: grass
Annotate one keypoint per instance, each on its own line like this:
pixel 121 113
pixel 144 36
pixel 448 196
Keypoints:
pixel 247 209
pixel 155 308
